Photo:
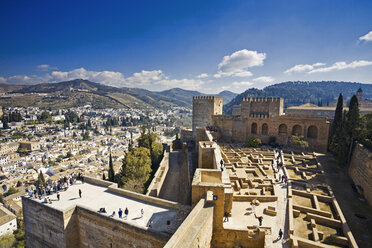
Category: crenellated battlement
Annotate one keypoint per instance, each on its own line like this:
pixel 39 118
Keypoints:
pixel 208 98
pixel 261 99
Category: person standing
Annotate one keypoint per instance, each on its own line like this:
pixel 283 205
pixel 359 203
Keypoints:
pixel 142 212
pixel 120 213
pixel 126 212
pixel 226 216
pixel 260 220
pixel 58 196
pixel 280 233
pixel 80 193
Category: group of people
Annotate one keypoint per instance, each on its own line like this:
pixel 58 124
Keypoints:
pixel 126 213
pixel 54 187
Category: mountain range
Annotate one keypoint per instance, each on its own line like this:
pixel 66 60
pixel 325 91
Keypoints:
pixel 81 92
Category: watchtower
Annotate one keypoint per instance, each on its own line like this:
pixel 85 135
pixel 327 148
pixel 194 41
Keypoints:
pixel 258 107
pixel 203 107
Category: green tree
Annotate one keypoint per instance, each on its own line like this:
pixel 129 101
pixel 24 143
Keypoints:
pixel 40 179
pixel 7 240
pixel 45 116
pixel 337 121
pixel 111 172
pixel 353 118
pixel 156 154
pixel 137 165
pixel 341 142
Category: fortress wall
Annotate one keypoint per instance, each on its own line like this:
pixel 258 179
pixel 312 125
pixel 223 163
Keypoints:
pixel 197 228
pixel 237 129
pixel 360 170
pixel 160 175
pixel 45 225
pixel 102 231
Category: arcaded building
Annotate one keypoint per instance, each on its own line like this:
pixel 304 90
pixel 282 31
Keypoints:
pixel 258 117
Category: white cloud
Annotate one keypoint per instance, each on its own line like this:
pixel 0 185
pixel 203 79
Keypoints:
pixel 145 77
pixel 46 68
pixel 264 79
pixel 342 66
pixel 367 37
pixel 2 80
pixel 187 84
pixel 236 86
pixel 203 75
pixel 156 79
pixel 238 62
pixel 302 68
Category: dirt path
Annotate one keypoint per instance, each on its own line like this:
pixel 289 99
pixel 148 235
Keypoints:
pixel 170 188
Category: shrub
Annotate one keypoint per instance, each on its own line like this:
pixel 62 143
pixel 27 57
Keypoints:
pixel 253 142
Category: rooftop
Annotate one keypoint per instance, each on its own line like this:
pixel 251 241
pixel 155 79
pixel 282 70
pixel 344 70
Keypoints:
pixel 95 197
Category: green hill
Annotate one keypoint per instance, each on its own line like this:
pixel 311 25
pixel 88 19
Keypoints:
pixel 299 92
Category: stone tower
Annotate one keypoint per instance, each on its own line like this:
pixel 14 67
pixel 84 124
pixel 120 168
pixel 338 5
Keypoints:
pixel 256 107
pixel 359 95
pixel 203 107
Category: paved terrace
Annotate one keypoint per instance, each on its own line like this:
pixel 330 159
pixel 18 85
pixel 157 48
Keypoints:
pixel 95 197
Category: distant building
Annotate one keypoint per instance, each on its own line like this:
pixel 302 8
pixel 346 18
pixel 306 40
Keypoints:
pixel 8 148
pixel 8 221
pixel 363 103
pixel 30 145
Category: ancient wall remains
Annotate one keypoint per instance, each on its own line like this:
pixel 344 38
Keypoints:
pixel 203 108
pixel 360 170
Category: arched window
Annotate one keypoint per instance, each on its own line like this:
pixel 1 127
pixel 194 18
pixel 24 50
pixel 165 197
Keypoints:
pixel 312 132
pixel 297 130
pixel 254 128
pixel 283 129
pixel 265 129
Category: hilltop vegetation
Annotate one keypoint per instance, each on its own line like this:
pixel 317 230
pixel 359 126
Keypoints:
pixel 297 93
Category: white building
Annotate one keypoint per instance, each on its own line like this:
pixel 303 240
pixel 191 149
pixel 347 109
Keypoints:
pixel 8 221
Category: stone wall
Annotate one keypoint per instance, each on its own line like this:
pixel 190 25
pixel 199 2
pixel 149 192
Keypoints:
pixel 360 170
pixel 47 225
pixel 102 231
pixel 196 230
pixel 160 175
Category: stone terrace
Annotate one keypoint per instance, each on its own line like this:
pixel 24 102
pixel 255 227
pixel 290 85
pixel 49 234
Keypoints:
pixel 95 197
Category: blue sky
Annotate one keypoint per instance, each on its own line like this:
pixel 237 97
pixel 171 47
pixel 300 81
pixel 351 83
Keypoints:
pixel 201 45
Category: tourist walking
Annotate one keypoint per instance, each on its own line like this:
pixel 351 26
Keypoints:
pixel 150 223
pixel 58 196
pixel 280 233
pixel 80 193
pixel 142 212
pixel 120 213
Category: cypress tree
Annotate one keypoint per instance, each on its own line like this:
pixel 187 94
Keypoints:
pixel 111 172
pixel 340 142
pixel 337 120
pixel 353 118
